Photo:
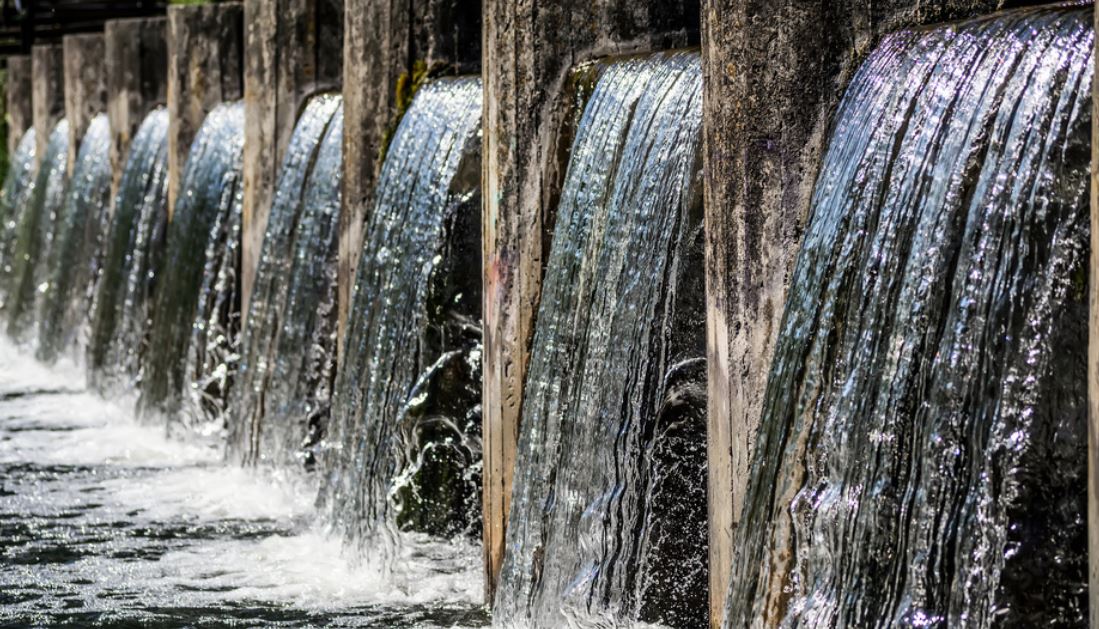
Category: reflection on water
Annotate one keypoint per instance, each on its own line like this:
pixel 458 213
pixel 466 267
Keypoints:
pixel 107 523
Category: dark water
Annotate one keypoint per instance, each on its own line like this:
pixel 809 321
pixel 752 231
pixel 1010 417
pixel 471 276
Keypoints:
pixel 104 522
pixel 76 256
pixel 196 310
pixel 17 187
pixel 134 251
pixel 922 454
pixel 607 523
pixel 403 451
pixel 35 230
pixel 288 350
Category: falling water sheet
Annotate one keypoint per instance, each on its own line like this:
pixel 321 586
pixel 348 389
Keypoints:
pixel 922 452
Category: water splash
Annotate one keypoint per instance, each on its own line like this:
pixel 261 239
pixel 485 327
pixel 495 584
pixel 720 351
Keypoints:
pixel 403 452
pixel 922 454
pixel 35 230
pixel 196 310
pixel 288 350
pixel 607 523
pixel 76 256
pixel 132 263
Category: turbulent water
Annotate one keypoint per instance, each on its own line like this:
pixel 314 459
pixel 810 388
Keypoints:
pixel 196 308
pixel 76 256
pixel 132 262
pixel 288 348
pixel 18 184
pixel 607 524
pixel 403 452
pixel 35 230
pixel 922 454
pixel 106 523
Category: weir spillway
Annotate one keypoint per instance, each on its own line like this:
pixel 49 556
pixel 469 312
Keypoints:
pixel 605 314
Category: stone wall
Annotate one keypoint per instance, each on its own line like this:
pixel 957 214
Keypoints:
pixel 47 93
pixel 529 52
pixel 205 68
pixel 19 110
pixel 294 48
pixel 137 71
pixel 85 85
pixel 774 73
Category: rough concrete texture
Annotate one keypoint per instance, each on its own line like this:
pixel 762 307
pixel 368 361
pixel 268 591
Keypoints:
pixel 774 73
pixel 294 49
pixel 85 85
pixel 137 71
pixel 19 109
pixel 48 93
pixel 528 53
pixel 205 68
pixel 1093 362
pixel 386 43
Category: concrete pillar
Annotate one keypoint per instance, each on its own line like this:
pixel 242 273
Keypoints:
pixel 48 93
pixel 528 55
pixel 205 68
pixel 1093 363
pixel 386 44
pixel 20 111
pixel 774 72
pixel 294 49
pixel 137 71
pixel 85 85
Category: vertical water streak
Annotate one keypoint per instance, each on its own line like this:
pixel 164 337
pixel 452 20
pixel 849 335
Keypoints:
pixel 196 311
pixel 18 184
pixel 132 263
pixel 608 517
pixel 403 452
pixel 288 348
pixel 34 237
pixel 76 256
pixel 922 454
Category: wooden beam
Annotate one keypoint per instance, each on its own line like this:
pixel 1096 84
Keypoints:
pixel 85 85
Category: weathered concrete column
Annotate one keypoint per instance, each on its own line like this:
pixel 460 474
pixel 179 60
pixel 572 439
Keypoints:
pixel 774 72
pixel 1093 363
pixel 294 49
pixel 528 55
pixel 20 111
pixel 205 68
pixel 387 43
pixel 137 72
pixel 85 85
pixel 48 93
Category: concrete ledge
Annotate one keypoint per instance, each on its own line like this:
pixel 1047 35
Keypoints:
pixel 85 85
pixel 137 70
pixel 19 106
pixel 294 49
pixel 48 93
pixel 205 68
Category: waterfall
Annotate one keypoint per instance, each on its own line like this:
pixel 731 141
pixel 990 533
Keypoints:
pixel 288 349
pixel 921 459
pixel 196 306
pixel 75 258
pixel 607 523
pixel 132 263
pixel 404 450
pixel 35 229
pixel 13 198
